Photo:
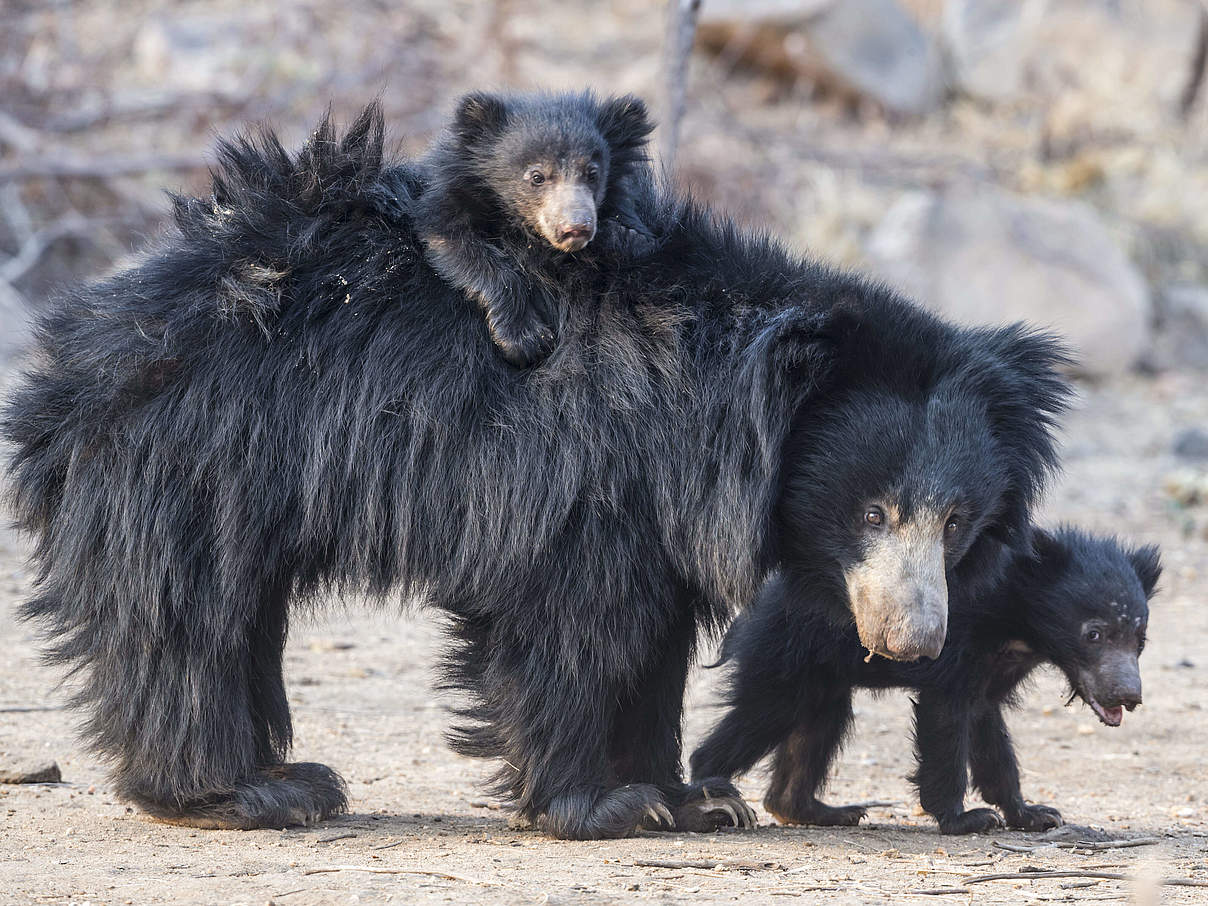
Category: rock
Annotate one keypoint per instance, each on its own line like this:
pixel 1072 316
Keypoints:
pixel 1182 317
pixel 868 48
pixel 1191 443
pixel 981 255
pixel 985 41
pixel 31 772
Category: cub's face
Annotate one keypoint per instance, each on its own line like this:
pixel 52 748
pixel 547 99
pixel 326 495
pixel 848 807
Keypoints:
pixel 550 162
pixel 1095 608
pixel 891 495
pixel 556 192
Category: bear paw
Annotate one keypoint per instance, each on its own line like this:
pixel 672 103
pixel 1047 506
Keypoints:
pixel 711 804
pixel 974 821
pixel 281 795
pixel 1035 818
pixel 592 815
pixel 817 813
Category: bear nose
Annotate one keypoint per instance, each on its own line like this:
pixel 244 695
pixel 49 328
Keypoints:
pixel 577 230
pixel 1129 698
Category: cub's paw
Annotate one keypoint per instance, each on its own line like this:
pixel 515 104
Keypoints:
pixel 1035 818
pixel 974 821
pixel 523 337
pixel 711 804
pixel 818 814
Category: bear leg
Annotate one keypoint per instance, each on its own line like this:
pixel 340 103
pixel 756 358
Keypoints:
pixel 995 773
pixel 205 745
pixel 803 759
pixel 942 725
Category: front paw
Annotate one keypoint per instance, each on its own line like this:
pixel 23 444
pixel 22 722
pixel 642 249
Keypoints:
pixel 523 342
pixel 712 804
pixel 974 821
pixel 1034 818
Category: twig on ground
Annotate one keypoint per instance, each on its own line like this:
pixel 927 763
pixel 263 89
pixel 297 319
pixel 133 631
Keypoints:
pixel 33 709
pixel 392 845
pixel 335 838
pixel 938 891
pixel 1063 873
pixel 401 871
pixel 726 864
pixel 1087 845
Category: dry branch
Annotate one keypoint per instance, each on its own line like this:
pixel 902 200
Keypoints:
pixel 51 165
pixel 401 871
pixel 1071 873
pixel 707 863
pixel 681 33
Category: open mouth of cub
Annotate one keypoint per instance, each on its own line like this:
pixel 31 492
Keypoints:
pixel 1111 716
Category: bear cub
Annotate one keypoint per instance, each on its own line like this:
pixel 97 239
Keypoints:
pixel 1076 601
pixel 516 187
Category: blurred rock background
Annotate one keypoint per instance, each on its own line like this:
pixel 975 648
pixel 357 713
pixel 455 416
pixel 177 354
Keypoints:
pixel 998 159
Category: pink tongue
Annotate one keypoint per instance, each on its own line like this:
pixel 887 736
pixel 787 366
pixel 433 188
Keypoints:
pixel 1114 715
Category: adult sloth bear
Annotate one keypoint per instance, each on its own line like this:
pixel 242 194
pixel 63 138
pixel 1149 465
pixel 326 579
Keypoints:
pixel 283 400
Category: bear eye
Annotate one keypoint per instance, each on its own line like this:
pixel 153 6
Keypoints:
pixel 1093 635
pixel 951 527
pixel 592 173
pixel 874 516
pixel 536 177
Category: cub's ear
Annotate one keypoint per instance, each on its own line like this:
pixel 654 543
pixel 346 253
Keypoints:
pixel 1018 372
pixel 625 125
pixel 1147 561
pixel 479 116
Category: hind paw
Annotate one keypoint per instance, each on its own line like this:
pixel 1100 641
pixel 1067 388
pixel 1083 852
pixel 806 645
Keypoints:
pixel 817 813
pixel 282 795
pixel 1035 818
pixel 974 821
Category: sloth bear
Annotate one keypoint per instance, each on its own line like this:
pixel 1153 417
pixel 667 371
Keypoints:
pixel 1076 601
pixel 514 188
pixel 284 401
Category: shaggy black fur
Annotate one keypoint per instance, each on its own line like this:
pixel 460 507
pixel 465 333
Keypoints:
pixel 1078 602
pixel 505 181
pixel 282 401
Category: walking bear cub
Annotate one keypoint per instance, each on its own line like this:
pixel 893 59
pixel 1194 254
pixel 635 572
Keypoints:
pixel 516 186
pixel 1077 601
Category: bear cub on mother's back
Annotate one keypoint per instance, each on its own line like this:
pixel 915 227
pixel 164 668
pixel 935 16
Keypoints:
pixel 516 187
pixel 1077 601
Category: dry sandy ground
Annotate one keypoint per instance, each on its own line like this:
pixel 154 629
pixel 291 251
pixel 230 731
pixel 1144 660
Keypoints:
pixel 421 830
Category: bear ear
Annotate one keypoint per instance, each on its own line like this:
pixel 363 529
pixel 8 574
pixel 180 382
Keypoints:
pixel 1018 372
pixel 479 116
pixel 1147 561
pixel 625 125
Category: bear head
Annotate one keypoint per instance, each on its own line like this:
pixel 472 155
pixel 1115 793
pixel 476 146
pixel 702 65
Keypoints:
pixel 1086 604
pixel 551 165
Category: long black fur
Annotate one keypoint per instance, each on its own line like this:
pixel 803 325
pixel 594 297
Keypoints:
pixel 794 672
pixel 281 401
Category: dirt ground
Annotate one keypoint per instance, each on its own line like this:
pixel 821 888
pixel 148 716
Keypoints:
pixel 422 831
